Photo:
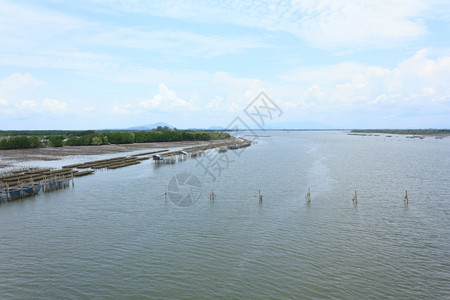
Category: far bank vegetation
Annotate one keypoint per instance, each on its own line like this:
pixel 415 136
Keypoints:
pixel 59 138
pixel 405 131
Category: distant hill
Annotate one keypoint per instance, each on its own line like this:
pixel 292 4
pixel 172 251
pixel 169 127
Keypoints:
pixel 151 126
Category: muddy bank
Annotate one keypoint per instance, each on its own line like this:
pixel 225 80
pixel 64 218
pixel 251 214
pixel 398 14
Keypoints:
pixel 10 157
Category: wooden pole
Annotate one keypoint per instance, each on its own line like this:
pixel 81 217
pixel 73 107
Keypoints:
pixel 165 193
pixel 212 196
pixel 8 195
pixel 355 198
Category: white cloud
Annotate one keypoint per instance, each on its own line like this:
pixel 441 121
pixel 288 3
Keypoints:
pixel 80 61
pixel 172 42
pixel 325 74
pixel 28 105
pixel 222 106
pixel 26 28
pixel 226 95
pixel 215 104
pixel 14 89
pixel 13 14
pixel 47 108
pixel 18 80
pixel 32 36
pixel 343 24
pixel 419 83
pixel 428 90
pixel 54 105
pixel 166 100
pixel 123 109
pixel 322 23
pixel 89 108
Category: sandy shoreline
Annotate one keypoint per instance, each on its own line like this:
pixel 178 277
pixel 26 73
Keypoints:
pixel 9 158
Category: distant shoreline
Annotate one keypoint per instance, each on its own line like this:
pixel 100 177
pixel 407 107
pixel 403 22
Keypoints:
pixel 415 132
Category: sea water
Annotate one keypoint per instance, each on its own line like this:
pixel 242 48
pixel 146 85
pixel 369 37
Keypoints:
pixel 123 234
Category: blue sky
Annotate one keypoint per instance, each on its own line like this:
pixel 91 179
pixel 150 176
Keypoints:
pixel 93 64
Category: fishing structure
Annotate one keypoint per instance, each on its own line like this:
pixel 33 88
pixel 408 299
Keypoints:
pixel 222 149
pixel 197 151
pixel 28 182
pixel 406 197
pixel 308 196
pixel 24 183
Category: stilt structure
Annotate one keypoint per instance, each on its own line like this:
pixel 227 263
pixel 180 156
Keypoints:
pixel 308 196
pixel 28 182
pixel 260 196
pixel 355 198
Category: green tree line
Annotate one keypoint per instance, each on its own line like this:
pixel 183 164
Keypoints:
pixel 42 133
pixel 20 142
pixel 86 138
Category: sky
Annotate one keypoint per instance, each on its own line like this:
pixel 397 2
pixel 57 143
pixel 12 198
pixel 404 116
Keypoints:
pixel 100 64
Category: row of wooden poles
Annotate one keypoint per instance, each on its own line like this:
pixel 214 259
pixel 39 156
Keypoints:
pixel 355 197
pixel 212 196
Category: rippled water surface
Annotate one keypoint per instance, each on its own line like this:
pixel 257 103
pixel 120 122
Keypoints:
pixel 114 236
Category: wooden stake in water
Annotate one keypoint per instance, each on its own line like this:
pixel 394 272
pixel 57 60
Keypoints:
pixel 260 196
pixel 406 197
pixel 8 195
pixel 165 193
pixel 212 196
pixel 355 198
pixel 308 196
